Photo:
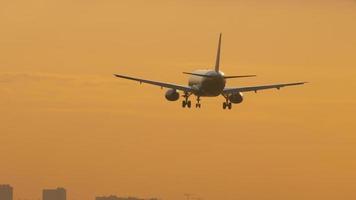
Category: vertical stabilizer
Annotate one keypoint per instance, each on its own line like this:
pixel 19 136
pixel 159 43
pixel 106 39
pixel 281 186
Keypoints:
pixel 217 64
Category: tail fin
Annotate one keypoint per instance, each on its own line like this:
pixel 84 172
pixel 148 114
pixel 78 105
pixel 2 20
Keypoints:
pixel 217 64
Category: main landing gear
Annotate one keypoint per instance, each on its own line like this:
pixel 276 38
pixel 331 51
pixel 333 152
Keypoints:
pixel 187 103
pixel 227 103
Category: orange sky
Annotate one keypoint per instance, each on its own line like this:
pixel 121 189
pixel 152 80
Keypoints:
pixel 67 122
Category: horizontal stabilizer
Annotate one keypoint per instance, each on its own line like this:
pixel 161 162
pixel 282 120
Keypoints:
pixel 243 76
pixel 202 75
pixel 210 76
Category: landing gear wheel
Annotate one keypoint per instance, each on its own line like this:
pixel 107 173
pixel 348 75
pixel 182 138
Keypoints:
pixel 229 106
pixel 198 105
pixel 186 102
pixel 224 105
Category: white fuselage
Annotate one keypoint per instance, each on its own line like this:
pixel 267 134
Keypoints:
pixel 210 86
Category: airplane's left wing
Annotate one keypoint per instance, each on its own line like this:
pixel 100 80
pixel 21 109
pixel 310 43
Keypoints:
pixel 257 88
pixel 161 84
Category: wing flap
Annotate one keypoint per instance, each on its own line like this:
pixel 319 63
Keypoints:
pixel 262 87
pixel 161 84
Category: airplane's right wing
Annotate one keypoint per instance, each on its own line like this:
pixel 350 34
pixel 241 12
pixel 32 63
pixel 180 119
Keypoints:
pixel 161 84
pixel 257 88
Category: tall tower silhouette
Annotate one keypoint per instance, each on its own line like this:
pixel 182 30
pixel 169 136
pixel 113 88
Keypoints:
pixel 6 192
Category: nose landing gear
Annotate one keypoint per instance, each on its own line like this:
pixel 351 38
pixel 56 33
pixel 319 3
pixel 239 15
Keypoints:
pixel 198 105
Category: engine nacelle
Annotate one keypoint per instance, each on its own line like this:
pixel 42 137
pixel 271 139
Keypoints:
pixel 236 97
pixel 172 95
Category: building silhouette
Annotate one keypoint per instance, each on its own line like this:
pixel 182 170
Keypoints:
pixel 54 194
pixel 113 197
pixel 6 192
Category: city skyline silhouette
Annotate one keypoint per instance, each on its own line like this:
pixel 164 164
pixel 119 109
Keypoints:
pixel 59 193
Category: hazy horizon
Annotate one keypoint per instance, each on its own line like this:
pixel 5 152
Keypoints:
pixel 66 121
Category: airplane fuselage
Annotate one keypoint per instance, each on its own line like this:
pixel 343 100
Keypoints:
pixel 207 86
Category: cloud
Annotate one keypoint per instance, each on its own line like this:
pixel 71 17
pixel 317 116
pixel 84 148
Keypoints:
pixel 17 77
pixel 27 77
pixel 51 92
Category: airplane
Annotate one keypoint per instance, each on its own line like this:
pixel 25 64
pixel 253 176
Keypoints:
pixel 208 83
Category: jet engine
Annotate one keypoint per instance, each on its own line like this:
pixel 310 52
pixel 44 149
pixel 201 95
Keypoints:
pixel 236 97
pixel 172 95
